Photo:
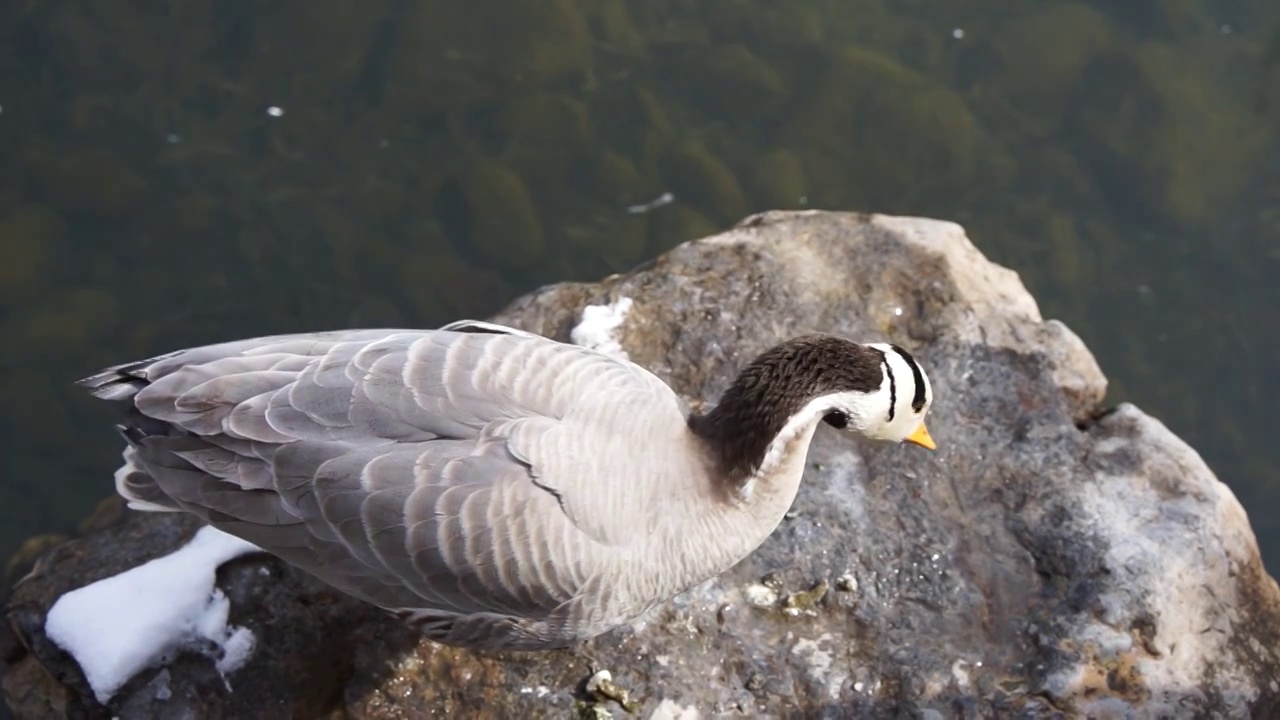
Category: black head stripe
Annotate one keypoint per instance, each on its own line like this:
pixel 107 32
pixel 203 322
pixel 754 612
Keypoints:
pixel 917 401
pixel 893 390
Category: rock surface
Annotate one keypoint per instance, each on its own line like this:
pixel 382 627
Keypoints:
pixel 1051 559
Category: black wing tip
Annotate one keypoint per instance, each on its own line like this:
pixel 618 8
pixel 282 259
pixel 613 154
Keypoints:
pixel 483 327
pixel 120 382
pixel 479 327
pixel 133 435
pixel 123 381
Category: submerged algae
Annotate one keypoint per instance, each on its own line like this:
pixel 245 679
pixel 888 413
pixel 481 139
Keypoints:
pixel 879 134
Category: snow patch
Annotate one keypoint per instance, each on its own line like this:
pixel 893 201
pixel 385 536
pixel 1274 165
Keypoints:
pixel 595 331
pixel 121 625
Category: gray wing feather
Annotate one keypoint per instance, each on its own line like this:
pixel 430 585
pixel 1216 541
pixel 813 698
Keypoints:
pixel 440 470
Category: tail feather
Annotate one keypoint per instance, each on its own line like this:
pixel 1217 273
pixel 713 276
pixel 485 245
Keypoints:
pixel 138 488
pixel 135 427
pixel 120 382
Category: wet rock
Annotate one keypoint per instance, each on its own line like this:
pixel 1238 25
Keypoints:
pixel 30 691
pixel 28 553
pixel 307 627
pixel 1051 559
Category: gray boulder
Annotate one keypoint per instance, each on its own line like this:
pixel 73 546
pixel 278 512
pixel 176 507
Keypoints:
pixel 1052 559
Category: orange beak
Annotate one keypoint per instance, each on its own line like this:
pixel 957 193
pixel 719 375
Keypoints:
pixel 922 438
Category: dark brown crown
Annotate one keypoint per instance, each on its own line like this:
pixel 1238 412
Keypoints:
pixel 773 388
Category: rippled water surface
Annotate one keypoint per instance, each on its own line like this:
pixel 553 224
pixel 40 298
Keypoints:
pixel 177 173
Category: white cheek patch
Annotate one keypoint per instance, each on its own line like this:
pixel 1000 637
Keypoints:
pixel 904 385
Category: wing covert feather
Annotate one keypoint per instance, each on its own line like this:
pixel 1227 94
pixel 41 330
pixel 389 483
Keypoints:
pixel 457 472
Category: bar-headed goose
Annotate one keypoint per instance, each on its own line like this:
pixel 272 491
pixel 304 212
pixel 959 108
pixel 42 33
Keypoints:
pixel 495 488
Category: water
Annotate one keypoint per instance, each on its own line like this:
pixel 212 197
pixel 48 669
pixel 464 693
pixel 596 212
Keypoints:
pixel 174 175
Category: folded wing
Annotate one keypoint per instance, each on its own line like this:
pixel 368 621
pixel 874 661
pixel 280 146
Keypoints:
pixel 456 471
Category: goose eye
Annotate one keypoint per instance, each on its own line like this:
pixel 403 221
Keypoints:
pixel 837 420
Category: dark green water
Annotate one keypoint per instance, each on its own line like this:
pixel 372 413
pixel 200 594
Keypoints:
pixel 431 160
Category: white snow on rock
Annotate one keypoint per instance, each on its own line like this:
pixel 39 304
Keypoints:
pixel 121 625
pixel 595 331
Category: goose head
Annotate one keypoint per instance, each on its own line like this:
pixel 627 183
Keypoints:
pixel 892 411
pixel 875 390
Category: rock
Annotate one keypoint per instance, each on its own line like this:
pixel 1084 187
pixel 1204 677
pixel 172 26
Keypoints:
pixel 1051 559
pixel 309 629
